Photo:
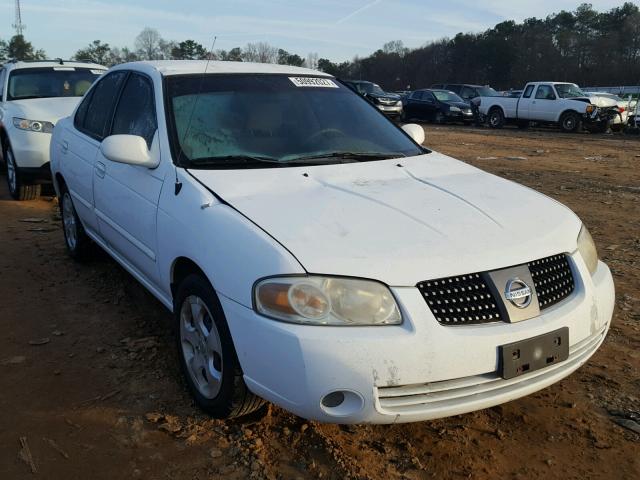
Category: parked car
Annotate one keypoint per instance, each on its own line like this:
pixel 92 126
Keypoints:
pixel 470 93
pixel 558 103
pixel 316 255
pixel 511 93
pixel 388 103
pixel 624 108
pixel 439 106
pixel 33 97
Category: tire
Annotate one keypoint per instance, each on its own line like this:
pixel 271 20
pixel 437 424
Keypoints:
pixel 75 238
pixel 569 122
pixel 496 118
pixel 439 118
pixel 207 355
pixel 18 189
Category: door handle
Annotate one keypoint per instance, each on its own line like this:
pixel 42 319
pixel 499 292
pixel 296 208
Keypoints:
pixel 101 169
pixel 65 146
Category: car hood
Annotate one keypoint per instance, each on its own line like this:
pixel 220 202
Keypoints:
pixel 45 109
pixel 432 217
pixel 460 105
pixel 386 96
pixel 603 102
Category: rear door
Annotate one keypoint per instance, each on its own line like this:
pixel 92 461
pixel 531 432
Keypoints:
pixel 126 196
pixel 524 103
pixel 80 142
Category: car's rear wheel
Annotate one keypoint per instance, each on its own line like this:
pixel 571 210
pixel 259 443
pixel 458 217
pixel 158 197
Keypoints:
pixel 75 238
pixel 569 122
pixel 18 188
pixel 439 118
pixel 496 118
pixel 207 355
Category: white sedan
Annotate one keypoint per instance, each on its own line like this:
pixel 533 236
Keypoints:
pixel 316 255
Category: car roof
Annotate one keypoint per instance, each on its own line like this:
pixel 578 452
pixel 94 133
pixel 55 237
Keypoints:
pixel 14 65
pixel 185 67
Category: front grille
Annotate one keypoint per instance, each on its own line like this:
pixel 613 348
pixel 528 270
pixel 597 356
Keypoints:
pixel 469 300
pixel 552 279
pixel 462 300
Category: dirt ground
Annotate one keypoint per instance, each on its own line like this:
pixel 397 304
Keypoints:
pixel 90 383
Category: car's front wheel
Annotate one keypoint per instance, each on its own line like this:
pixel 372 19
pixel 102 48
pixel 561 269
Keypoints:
pixel 207 355
pixel 569 122
pixel 19 189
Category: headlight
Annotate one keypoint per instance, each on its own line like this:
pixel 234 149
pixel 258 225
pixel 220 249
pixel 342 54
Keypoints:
pixel 399 103
pixel 316 300
pixel 587 249
pixel 454 109
pixel 33 125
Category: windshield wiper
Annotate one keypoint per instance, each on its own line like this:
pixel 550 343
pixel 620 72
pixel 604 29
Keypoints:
pixel 233 161
pixel 347 156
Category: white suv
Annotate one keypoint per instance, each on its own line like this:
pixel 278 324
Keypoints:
pixel 33 97
pixel 315 255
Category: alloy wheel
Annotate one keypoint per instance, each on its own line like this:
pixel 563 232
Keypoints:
pixel 201 346
pixel 12 174
pixel 69 222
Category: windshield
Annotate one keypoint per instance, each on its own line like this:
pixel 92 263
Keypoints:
pixel 569 90
pixel 445 96
pixel 48 82
pixel 487 92
pixel 275 120
pixel 368 87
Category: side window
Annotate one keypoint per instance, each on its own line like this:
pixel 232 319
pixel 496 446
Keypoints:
pixel 545 92
pixel 417 95
pixel 468 93
pixel 81 113
pixel 136 113
pixel 454 88
pixel 428 96
pixel 2 77
pixel 96 121
pixel 528 91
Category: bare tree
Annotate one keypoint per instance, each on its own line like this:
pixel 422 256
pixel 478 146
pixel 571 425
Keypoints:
pixel 311 61
pixel 260 52
pixel 148 44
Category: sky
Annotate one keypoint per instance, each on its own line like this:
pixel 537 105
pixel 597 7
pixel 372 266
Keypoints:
pixel 335 29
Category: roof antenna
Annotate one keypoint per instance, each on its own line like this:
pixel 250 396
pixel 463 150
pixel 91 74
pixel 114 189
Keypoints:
pixel 178 185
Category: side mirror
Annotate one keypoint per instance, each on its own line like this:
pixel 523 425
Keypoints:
pixel 129 149
pixel 414 131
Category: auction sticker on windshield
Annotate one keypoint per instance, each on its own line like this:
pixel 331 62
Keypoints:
pixel 313 82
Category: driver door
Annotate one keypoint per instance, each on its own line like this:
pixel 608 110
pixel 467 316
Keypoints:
pixel 543 107
pixel 127 196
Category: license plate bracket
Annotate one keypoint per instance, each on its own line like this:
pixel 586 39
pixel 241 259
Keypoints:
pixel 525 356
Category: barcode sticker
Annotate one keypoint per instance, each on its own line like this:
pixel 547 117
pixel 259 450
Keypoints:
pixel 314 82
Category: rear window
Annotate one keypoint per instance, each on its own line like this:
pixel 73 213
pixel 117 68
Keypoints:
pixel 47 82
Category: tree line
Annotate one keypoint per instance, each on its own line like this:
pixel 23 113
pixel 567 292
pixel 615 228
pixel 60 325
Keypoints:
pixel 582 46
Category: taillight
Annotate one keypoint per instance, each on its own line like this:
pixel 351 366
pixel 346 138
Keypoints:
pixel 621 109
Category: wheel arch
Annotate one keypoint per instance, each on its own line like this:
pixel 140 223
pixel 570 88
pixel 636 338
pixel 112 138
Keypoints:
pixel 496 107
pixel 565 111
pixel 181 268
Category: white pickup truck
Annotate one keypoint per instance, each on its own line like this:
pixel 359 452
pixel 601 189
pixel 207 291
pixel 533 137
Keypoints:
pixel 562 104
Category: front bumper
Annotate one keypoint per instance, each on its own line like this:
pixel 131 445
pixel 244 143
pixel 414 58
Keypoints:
pixel 30 149
pixel 419 370
pixel 462 116
pixel 390 110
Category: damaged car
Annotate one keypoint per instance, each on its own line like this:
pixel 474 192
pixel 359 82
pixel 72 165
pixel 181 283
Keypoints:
pixel 315 255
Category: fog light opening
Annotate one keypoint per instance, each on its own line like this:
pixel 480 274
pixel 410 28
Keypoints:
pixel 342 403
pixel 334 399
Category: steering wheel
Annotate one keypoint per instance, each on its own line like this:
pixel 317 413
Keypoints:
pixel 333 132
